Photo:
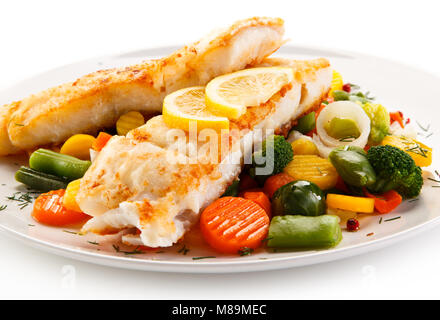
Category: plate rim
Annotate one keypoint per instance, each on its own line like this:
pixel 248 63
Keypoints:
pixel 236 266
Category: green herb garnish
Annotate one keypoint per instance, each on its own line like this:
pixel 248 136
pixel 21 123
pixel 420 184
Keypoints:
pixel 205 257
pixel 245 251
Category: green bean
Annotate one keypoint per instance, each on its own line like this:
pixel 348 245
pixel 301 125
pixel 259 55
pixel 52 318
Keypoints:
pixel 38 180
pixel 304 232
pixel 340 95
pixel 58 164
pixel 353 167
pixel 306 123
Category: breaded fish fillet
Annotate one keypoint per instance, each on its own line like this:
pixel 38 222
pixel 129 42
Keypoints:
pixel 97 100
pixel 132 182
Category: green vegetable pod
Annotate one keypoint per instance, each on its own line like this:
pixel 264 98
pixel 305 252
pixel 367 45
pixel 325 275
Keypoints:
pixel 306 123
pixel 340 95
pixel 39 181
pixel 58 164
pixel 299 197
pixel 304 232
pixel 353 167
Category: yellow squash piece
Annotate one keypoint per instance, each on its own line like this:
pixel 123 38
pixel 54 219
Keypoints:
pixel 185 108
pixel 78 146
pixel 314 169
pixel 337 82
pixel 344 215
pixel 129 121
pixel 350 203
pixel 69 199
pixel 304 146
pixel 421 153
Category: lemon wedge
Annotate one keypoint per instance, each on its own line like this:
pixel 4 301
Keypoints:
pixel 187 106
pixel 229 95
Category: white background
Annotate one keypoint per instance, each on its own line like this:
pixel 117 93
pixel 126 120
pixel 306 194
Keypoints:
pixel 40 35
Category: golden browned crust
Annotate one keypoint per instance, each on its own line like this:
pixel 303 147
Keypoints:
pixel 149 81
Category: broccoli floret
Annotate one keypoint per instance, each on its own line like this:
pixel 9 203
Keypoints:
pixel 380 122
pixel 395 170
pixel 275 150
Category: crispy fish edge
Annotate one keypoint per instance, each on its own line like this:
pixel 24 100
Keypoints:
pixel 49 116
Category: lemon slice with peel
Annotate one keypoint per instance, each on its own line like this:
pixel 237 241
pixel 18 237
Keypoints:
pixel 186 107
pixel 229 95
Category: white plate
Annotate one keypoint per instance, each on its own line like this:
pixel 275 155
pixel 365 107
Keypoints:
pixel 397 86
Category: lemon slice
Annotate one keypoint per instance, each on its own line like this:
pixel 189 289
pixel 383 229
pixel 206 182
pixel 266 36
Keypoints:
pixel 185 107
pixel 230 94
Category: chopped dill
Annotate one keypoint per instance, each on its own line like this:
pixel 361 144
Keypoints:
pixel 184 250
pixel 413 200
pixel 380 220
pixel 395 218
pixel 205 257
pixel 23 198
pixel 266 239
pixel 319 170
pixel 94 242
pixel 3 207
pixel 438 181
pixel 72 232
pixel 245 251
pixel 423 128
pixel 135 251
pixel 31 225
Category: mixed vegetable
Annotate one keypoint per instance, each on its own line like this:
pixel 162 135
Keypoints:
pixel 348 157
pixel 338 162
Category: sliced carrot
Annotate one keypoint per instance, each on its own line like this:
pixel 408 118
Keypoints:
pixel 241 194
pixel 275 182
pixel 385 202
pixel 231 224
pixel 49 209
pixel 260 198
pixel 246 182
pixel 101 141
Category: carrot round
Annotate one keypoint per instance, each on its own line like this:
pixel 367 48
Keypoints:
pixel 49 209
pixel 231 224
pixel 261 199
pixel 275 182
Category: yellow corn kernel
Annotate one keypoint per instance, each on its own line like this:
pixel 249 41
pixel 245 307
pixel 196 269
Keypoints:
pixel 337 81
pixel 314 169
pixel 78 146
pixel 129 121
pixel 421 153
pixel 350 203
pixel 69 198
pixel 304 146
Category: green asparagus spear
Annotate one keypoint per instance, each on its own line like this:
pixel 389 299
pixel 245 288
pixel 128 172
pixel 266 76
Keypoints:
pixel 39 181
pixel 58 164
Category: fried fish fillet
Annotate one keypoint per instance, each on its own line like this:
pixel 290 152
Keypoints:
pixel 96 100
pixel 133 183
